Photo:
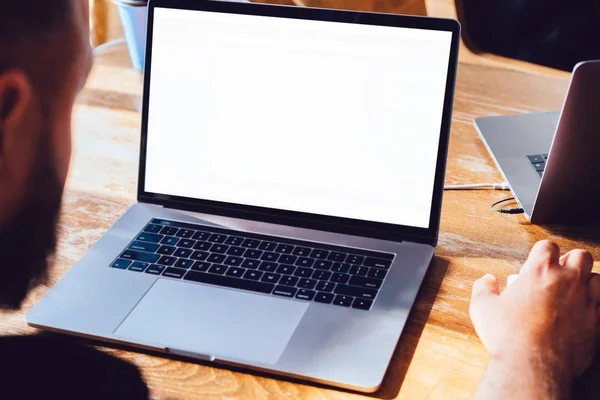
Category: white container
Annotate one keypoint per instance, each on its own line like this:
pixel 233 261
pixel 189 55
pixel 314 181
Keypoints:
pixel 134 15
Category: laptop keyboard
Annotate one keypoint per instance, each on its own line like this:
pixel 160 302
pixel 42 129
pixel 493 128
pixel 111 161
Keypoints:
pixel 538 162
pixel 308 271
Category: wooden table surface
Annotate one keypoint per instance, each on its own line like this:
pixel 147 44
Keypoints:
pixel 439 355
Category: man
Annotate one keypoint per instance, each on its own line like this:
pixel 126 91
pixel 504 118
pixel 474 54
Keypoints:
pixel 542 331
pixel 45 57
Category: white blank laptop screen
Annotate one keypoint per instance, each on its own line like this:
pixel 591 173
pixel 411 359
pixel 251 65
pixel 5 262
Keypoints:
pixel 327 118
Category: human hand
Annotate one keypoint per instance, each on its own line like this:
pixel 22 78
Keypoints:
pixel 548 318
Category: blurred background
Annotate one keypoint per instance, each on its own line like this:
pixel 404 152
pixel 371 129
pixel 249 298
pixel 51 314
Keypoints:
pixel 552 33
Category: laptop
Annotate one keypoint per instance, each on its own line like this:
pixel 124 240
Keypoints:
pixel 550 160
pixel 290 184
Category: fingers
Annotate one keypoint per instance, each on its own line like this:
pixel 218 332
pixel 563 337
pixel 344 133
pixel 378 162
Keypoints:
pixel 594 289
pixel 544 254
pixel 484 290
pixel 579 260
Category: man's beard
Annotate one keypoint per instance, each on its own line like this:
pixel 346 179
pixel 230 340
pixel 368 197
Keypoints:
pixel 28 237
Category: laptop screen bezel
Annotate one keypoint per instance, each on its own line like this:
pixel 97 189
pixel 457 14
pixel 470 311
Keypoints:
pixel 362 228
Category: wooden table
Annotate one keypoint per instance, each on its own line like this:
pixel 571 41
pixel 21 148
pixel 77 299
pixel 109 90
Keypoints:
pixel 439 355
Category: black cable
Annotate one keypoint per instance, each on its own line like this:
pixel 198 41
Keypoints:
pixel 509 211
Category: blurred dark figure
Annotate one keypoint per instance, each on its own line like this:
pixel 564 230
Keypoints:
pixel 554 33
pixel 45 59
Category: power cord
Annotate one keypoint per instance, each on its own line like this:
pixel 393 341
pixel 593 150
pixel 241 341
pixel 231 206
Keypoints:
pixel 479 186
pixel 505 211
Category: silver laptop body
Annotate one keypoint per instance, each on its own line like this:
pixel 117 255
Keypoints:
pixel 350 196
pixel 550 160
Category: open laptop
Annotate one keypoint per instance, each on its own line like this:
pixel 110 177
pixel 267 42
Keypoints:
pixel 291 173
pixel 550 160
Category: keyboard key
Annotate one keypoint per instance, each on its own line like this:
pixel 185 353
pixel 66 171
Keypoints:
pixel 143 246
pixel 152 228
pixel 183 263
pixel 285 291
pixel 253 275
pixel 201 235
pixel 323 265
pixel 337 256
pixel 284 248
pixel 199 255
pixel 362 304
pixel 170 240
pixel 251 264
pixel 326 298
pixel 184 253
pixel 340 278
pixel 365 282
pixel 301 251
pixel 376 262
pixel 321 275
pixel 233 261
pixel 251 243
pixel 368 294
pixel 234 240
pixel 169 231
pixel 267 256
pixel 216 258
pixel 305 262
pixel 304 294
pixel 251 253
pixel 377 273
pixel 155 269
pixel 140 256
pixel 267 246
pixel 271 278
pixel 227 281
pixel 186 243
pixel 286 269
pixel 268 266
pixel 289 280
pixel 219 248
pixel 536 158
pixel 174 273
pixel 201 266
pixel 166 250
pixel 236 272
pixel 360 271
pixel 149 237
pixel 166 260
pixel 539 166
pixel 322 254
pixel 204 246
pixel 121 264
pixel 236 251
pixel 287 259
pixel 341 267
pixel 185 233
pixel 344 301
pixel 217 269
pixel 138 266
pixel 325 286
pixel 304 272
pixel 217 238
pixel 354 259
pixel 307 283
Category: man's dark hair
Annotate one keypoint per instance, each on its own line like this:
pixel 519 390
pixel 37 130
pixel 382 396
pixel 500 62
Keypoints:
pixel 28 33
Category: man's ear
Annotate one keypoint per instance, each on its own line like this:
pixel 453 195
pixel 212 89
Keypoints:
pixel 15 94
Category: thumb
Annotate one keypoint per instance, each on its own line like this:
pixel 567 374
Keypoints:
pixel 485 290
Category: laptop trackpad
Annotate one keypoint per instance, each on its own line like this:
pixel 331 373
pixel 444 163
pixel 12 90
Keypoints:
pixel 212 321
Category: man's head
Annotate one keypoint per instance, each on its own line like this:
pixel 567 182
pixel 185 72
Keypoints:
pixel 45 58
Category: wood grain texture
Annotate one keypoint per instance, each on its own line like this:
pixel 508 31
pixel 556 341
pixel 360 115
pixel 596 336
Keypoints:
pixel 439 356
